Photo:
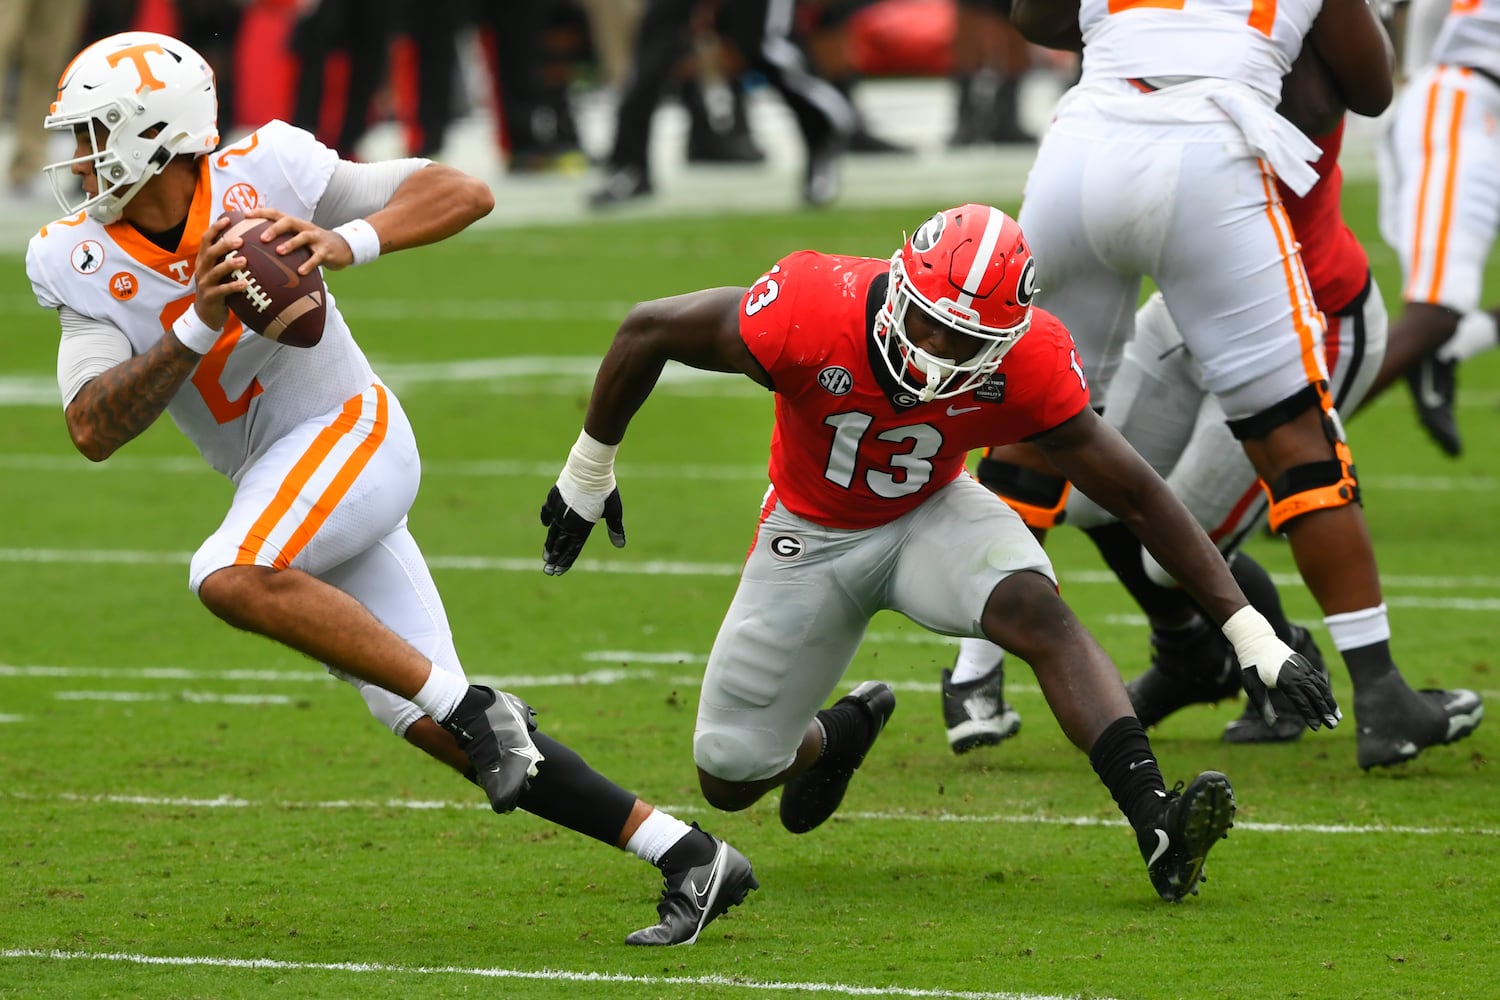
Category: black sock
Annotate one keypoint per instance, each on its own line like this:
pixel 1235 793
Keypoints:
pixel 1261 592
pixel 846 729
pixel 1369 664
pixel 1122 552
pixel 568 792
pixel 696 848
pixel 1123 760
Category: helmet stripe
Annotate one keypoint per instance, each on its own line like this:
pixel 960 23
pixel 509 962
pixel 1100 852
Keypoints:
pixel 982 256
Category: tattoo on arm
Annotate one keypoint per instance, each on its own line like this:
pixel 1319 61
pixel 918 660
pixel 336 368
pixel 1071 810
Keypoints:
pixel 121 403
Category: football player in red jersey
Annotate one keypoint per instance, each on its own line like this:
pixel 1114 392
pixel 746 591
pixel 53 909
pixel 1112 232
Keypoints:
pixel 886 374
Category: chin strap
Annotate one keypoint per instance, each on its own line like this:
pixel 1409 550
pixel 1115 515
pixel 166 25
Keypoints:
pixel 934 379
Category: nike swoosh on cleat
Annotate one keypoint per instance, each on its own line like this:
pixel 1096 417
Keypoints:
pixel 1427 389
pixel 954 411
pixel 1162 843
pixel 700 896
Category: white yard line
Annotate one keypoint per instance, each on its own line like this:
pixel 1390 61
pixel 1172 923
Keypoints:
pixel 698 809
pixel 518 469
pixel 139 557
pixel 560 975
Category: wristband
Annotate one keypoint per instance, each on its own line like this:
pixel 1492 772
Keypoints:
pixel 1255 643
pixel 363 241
pixel 194 334
pixel 589 476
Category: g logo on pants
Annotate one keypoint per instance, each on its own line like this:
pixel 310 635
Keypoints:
pixel 787 548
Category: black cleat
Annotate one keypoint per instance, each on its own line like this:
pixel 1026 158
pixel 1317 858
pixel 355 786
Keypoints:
pixel 821 183
pixel 694 896
pixel 1194 820
pixel 1192 666
pixel 1434 384
pixel 723 147
pixel 1251 728
pixel 621 185
pixel 494 729
pixel 1395 723
pixel 976 713
pixel 814 795
pixel 864 142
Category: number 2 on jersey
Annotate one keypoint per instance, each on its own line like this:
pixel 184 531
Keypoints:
pixel 1262 12
pixel 209 371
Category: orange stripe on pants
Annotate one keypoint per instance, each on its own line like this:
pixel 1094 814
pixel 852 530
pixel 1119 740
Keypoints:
pixel 302 472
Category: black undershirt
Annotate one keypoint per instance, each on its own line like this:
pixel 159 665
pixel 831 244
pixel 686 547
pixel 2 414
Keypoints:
pixel 170 239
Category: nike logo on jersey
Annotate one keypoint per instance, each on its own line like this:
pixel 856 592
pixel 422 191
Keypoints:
pixel 954 411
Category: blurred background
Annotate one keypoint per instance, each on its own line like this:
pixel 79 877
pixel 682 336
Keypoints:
pixel 529 95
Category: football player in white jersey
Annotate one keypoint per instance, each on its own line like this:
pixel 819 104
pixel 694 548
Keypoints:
pixel 314 550
pixel 1162 162
pixel 1440 205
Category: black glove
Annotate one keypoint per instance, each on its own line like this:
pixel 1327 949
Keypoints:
pixel 1306 688
pixel 567 530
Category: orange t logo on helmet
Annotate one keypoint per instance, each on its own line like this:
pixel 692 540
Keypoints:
pixel 137 55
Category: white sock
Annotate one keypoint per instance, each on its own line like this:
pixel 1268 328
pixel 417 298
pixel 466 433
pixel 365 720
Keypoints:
pixel 656 835
pixel 1477 332
pixel 1357 629
pixel 441 694
pixel 976 658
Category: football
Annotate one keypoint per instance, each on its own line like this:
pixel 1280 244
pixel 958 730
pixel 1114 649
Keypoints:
pixel 280 304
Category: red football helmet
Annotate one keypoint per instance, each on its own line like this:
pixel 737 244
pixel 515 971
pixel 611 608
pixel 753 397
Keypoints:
pixel 969 268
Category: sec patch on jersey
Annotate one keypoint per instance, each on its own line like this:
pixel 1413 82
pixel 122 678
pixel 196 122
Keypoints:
pixel 279 303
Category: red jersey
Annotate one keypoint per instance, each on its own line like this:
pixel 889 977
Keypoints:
pixel 851 448
pixel 1336 263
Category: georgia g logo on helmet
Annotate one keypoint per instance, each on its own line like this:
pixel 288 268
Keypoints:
pixel 1026 286
pixel 929 233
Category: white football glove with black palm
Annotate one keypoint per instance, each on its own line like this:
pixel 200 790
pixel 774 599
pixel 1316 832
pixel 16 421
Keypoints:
pixel 1267 662
pixel 585 492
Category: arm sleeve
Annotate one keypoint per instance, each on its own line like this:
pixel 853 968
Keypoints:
pixel 357 189
pixel 88 349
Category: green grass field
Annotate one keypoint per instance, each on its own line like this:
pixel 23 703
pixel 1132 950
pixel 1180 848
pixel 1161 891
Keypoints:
pixel 187 811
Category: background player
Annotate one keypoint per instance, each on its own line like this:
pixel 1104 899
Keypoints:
pixel 1159 403
pixel 1162 162
pixel 314 551
pixel 885 375
pixel 1440 205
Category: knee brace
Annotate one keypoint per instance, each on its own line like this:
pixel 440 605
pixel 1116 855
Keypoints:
pixel 1039 497
pixel 1312 486
pixel 1303 489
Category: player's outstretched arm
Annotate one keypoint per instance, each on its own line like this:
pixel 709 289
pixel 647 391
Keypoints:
pixel 701 330
pixel 429 205
pixel 1102 464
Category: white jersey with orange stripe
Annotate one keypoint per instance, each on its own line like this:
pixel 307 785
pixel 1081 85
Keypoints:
pixel 1248 41
pixel 248 391
pixel 1470 36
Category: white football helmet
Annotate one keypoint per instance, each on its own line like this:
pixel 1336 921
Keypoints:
pixel 142 98
pixel 968 268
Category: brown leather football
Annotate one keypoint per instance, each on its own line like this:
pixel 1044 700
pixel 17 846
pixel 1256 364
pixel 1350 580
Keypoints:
pixel 280 304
